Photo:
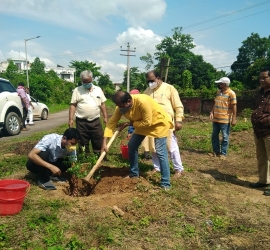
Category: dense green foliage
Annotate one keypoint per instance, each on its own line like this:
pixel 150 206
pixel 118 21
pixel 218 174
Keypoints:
pixel 192 76
pixel 253 55
pixel 85 65
pixel 137 79
pixel 47 87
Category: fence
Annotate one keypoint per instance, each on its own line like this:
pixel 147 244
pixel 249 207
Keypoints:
pixel 197 105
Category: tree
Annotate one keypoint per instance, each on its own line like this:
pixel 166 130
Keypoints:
pixel 106 84
pixel 203 73
pixel 137 79
pixel 178 48
pixel 253 48
pixel 148 59
pixel 251 78
pixel 85 65
pixel 37 67
pixel 187 79
pixel 11 71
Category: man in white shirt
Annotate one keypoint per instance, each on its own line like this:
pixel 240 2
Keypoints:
pixel 86 103
pixel 52 156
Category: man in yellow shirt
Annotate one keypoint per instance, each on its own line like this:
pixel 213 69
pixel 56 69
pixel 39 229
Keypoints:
pixel 167 96
pixel 148 119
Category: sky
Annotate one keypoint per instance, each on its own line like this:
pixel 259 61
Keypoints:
pixel 94 30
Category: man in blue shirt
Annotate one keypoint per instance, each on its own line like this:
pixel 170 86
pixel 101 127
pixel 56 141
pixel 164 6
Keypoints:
pixel 53 155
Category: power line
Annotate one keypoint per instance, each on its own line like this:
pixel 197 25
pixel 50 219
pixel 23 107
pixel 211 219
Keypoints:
pixel 230 21
pixel 228 14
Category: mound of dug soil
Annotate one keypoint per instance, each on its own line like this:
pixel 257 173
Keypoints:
pixel 109 180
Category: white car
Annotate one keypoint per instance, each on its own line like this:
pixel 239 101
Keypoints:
pixel 11 109
pixel 40 109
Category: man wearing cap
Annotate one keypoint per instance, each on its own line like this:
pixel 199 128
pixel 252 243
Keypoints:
pixel 223 115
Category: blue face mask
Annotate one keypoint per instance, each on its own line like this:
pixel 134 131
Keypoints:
pixel 87 85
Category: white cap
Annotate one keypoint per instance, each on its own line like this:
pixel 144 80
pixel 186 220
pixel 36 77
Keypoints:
pixel 225 80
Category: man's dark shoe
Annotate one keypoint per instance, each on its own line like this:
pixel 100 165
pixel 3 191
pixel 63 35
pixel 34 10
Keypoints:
pixel 46 185
pixel 266 192
pixel 57 178
pixel 258 185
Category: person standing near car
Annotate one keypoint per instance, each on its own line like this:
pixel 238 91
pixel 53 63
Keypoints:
pixel 30 108
pixel 25 103
pixel 86 103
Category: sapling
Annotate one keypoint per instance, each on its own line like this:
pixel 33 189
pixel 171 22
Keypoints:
pixel 80 168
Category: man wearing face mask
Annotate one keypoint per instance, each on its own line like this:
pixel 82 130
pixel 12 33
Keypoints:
pixel 148 119
pixel 167 96
pixel 52 156
pixel 223 115
pixel 86 103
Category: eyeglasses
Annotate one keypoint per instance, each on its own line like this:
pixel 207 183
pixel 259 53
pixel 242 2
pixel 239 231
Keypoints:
pixel 148 81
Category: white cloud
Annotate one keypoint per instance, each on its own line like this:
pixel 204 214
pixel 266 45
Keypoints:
pixel 139 11
pixel 115 70
pixel 217 58
pixel 84 14
pixel 144 40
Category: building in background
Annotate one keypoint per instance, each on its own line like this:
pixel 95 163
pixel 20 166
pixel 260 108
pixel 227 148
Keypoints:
pixel 20 63
pixel 67 74
pixel 117 85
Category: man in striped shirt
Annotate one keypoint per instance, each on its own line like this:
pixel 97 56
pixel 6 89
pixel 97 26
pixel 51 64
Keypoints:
pixel 223 115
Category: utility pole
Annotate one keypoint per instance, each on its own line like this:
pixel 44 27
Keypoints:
pixel 128 69
pixel 167 69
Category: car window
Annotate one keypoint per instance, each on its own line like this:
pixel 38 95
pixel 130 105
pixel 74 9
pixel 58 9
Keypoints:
pixel 6 86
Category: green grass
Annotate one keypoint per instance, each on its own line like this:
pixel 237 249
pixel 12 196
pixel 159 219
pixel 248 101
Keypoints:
pixel 54 108
pixel 202 211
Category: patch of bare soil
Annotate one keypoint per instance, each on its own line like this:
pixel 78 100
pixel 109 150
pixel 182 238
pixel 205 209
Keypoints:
pixel 23 148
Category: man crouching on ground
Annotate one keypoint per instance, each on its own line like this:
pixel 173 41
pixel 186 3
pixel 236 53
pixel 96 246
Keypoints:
pixel 52 156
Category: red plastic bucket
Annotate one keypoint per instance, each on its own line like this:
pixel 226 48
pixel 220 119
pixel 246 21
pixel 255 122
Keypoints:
pixel 124 149
pixel 12 193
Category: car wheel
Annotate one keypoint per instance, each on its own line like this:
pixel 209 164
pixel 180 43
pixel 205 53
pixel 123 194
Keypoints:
pixel 44 114
pixel 12 124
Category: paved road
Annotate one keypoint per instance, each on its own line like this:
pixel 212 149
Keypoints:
pixel 53 121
